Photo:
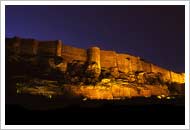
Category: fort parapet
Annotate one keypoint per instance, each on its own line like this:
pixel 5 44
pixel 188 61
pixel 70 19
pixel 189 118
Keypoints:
pixel 103 58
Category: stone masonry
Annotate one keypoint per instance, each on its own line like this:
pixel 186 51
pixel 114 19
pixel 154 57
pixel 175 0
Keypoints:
pixel 99 58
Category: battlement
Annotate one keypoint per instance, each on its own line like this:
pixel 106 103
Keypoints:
pixel 103 58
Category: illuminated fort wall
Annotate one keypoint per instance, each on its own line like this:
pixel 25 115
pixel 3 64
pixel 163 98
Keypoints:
pixel 104 59
pixel 70 53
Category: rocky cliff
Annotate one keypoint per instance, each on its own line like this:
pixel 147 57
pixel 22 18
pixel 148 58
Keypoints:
pixel 91 73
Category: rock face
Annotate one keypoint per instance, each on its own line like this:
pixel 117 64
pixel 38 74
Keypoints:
pixel 123 74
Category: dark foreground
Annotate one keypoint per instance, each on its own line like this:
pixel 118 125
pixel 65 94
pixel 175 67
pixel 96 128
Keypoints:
pixel 139 111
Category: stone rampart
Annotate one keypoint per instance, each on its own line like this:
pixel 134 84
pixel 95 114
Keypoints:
pixel 47 48
pixel 179 78
pixel 28 46
pixel 124 63
pixel 108 59
pixel 165 73
pixel 103 58
pixel 70 53
pixel 146 66
pixel 34 47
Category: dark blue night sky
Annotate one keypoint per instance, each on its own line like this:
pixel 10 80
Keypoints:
pixel 155 33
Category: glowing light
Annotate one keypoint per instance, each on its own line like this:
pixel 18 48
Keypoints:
pixel 18 91
pixel 50 96
pixel 84 99
pixel 163 96
pixel 168 97
pixel 159 97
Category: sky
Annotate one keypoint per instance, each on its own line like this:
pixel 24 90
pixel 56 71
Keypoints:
pixel 154 33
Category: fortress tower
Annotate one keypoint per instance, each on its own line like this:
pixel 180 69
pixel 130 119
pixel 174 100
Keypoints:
pixel 59 47
pixel 94 59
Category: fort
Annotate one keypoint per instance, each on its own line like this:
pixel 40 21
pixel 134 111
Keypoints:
pixel 103 58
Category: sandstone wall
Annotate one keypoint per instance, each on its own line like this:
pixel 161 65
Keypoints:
pixel 136 64
pixel 23 46
pixel 28 47
pixel 128 63
pixel 146 66
pixel 124 62
pixel 165 73
pixel 70 53
pixel 179 78
pixel 118 91
pixel 48 48
pixel 34 47
pixel 108 59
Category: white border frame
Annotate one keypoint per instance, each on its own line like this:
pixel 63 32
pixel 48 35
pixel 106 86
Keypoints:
pixel 186 3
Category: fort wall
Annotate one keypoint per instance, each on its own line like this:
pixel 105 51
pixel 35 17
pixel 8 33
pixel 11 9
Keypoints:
pixel 124 63
pixel 146 66
pixel 108 59
pixel 165 73
pixel 34 47
pixel 175 77
pixel 103 58
pixel 70 53
pixel 136 64
pixel 28 46
pixel 128 63
pixel 47 48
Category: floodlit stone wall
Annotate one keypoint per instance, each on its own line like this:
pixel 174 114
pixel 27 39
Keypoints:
pixel 146 66
pixel 118 91
pixel 136 64
pixel 124 63
pixel 108 59
pixel 34 47
pixel 70 53
pixel 48 47
pixel 104 59
pixel 165 73
pixel 179 78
